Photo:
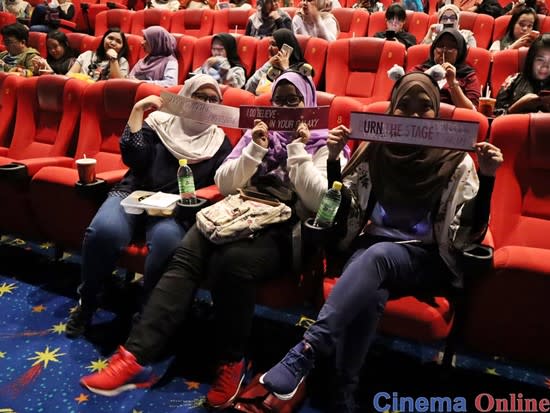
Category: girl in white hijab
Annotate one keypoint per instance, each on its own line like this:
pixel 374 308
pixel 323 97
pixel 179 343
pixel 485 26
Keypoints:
pixel 151 150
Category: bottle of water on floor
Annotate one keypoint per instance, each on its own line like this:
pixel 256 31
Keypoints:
pixel 186 183
pixel 329 206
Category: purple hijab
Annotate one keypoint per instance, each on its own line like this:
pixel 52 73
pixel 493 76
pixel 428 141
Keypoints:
pixel 275 159
pixel 163 48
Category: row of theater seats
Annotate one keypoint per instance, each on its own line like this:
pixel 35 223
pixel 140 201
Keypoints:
pixel 57 120
pixel 354 67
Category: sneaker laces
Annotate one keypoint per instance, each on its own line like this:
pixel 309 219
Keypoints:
pixel 117 365
pixel 297 362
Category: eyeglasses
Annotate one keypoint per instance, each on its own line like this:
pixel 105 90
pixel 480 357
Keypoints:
pixel 289 100
pixel 449 18
pixel 218 49
pixel 206 98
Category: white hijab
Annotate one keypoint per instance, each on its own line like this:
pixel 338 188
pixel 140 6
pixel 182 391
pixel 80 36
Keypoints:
pixel 186 138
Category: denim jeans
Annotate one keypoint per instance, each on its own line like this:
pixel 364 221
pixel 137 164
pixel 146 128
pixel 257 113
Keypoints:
pixel 110 232
pixel 347 322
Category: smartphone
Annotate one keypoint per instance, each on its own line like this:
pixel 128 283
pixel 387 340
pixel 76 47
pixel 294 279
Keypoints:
pixel 258 196
pixel 535 34
pixel 390 34
pixel 285 48
pixel 448 25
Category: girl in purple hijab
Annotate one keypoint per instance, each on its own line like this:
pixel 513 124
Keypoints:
pixel 160 66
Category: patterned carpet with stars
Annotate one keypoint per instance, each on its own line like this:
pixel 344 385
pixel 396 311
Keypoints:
pixel 40 368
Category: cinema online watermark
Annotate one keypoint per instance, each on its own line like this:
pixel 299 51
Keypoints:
pixel 483 402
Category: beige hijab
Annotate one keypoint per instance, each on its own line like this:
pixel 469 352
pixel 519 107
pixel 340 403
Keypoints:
pixel 186 138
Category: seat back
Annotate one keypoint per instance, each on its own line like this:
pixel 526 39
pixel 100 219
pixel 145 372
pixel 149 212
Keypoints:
pixel 135 50
pixel 231 20
pixel 340 112
pixel 106 106
pixel 8 99
pixel 481 25
pixel 150 17
pixel 185 51
pixel 90 43
pixel 7 18
pixel 358 67
pixel 416 23
pixel 506 63
pixel 109 19
pixel 75 40
pixel 520 208
pixel 47 116
pixel 352 22
pixel 193 22
pixel 246 49
pixel 37 40
pixel 235 97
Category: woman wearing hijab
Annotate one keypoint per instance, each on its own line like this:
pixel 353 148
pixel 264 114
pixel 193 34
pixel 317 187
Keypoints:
pixel 460 86
pixel 403 204
pixel 224 65
pixel 160 66
pixel 315 19
pixel 267 19
pixel 259 83
pixel 152 150
pixel 297 160
pixel 448 16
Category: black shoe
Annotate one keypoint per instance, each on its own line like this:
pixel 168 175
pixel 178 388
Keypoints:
pixel 79 320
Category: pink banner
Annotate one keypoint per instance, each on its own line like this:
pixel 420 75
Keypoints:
pixel 284 119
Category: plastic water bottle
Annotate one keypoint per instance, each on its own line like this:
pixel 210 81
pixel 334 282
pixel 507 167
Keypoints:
pixel 329 206
pixel 186 183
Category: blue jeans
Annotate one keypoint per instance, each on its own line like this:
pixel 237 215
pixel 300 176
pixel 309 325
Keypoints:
pixel 110 232
pixel 347 322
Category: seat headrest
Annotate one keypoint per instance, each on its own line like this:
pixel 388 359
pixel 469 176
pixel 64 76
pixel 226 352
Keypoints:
pixel 118 98
pixel 49 91
pixel 364 54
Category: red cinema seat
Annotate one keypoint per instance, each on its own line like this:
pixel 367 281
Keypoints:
pixel 37 40
pixel 185 49
pixel 135 50
pixel 314 50
pixel 235 98
pixel 506 63
pixel 231 20
pixel 150 17
pixel 501 23
pixel 291 11
pixel 410 317
pixel 416 23
pixel 478 58
pixel 45 127
pixel 105 108
pixel 358 67
pixel 6 18
pixel 90 12
pixel 8 99
pixel 507 310
pixel 340 111
pixel 246 49
pixel 352 22
pixel 193 22
pixel 109 19
pixel 75 40
pixel 90 43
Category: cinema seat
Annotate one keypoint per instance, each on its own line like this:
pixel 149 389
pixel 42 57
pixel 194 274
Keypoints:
pixel 358 67
pixel 508 309
pixel 506 63
pixel 37 40
pixel 231 20
pixel 45 127
pixel 150 17
pixel 108 19
pixel 352 22
pixel 193 22
pixel 8 99
pixel 416 23
pixel 481 25
pixel 185 50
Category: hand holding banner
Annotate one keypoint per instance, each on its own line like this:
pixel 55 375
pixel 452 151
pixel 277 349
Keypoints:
pixel 284 119
pixel 438 133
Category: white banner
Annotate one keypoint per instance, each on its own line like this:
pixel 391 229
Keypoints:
pixel 209 113
pixel 448 134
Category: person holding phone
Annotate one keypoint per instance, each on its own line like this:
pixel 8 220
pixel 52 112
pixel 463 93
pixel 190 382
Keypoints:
pixel 285 52
pixel 528 90
pixel 313 19
pixel 522 31
pixel 395 22
pixel 268 18
pixel 449 17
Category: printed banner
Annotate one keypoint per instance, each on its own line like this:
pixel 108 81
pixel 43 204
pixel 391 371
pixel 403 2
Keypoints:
pixel 448 134
pixel 200 111
pixel 284 119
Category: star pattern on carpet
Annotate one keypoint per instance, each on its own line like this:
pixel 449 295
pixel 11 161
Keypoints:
pixel 82 398
pixel 6 288
pixel 2 354
pixel 38 308
pixel 46 356
pixel 137 411
pixel 73 309
pixel 59 328
pixel 98 365
pixel 46 245
pixel 493 372
pixel 191 385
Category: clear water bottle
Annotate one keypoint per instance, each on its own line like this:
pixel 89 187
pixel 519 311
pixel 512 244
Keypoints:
pixel 329 206
pixel 186 183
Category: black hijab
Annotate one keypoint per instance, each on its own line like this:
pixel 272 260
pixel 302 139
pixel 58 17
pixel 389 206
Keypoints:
pixel 462 69
pixel 230 46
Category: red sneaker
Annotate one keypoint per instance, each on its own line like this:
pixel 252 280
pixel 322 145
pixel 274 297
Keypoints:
pixel 123 373
pixel 228 382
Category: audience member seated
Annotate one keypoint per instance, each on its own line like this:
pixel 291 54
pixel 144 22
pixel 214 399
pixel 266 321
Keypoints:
pixel 197 4
pixel 108 61
pixel 427 206
pixel 240 4
pixel 44 15
pixel 267 19
pixel 61 56
pixel 489 7
pixel 19 8
pixel 152 150
pixel 259 82
pixel 459 84
pixel 529 90
pixel 18 57
pixel 395 20
pixel 160 66
pixel 449 17
pixel 224 65
pixel 370 5
pixel 413 5
pixel 293 162
pixel 540 6
pixel 522 31
pixel 312 20
pixel 172 5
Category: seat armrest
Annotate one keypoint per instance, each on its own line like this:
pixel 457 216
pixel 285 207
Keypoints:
pixel 525 259
pixel 35 164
